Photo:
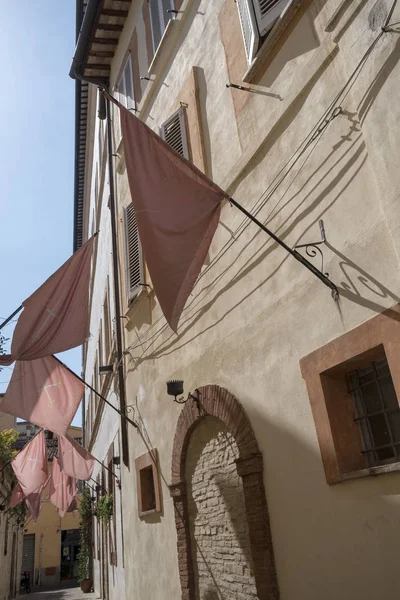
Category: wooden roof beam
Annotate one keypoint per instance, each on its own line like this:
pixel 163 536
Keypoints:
pixel 109 27
pixel 105 41
pixel 101 53
pixel 112 12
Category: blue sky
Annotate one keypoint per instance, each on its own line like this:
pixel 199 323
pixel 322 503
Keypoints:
pixel 36 152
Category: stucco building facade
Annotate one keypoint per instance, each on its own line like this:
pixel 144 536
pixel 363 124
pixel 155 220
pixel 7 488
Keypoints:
pixel 282 480
pixel 50 544
pixel 11 530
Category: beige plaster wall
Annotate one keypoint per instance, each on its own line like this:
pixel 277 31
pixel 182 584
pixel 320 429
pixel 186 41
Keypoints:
pixel 255 312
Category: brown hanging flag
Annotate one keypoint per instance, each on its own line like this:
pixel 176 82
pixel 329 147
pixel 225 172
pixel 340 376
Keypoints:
pixel 56 316
pixel 43 392
pixel 177 211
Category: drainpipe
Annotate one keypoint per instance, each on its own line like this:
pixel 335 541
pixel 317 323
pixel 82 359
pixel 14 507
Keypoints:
pixel 118 320
pixel 85 29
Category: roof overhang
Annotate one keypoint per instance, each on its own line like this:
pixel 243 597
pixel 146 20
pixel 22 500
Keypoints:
pixel 99 26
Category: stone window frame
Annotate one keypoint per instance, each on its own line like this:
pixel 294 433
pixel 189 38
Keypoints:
pixel 324 372
pixel 145 461
pixel 217 402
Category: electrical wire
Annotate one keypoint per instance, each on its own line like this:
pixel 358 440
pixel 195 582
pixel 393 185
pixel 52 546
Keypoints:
pixel 314 135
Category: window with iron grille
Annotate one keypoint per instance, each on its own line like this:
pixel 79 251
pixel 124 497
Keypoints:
pixel 256 19
pixel 159 19
pixel 133 253
pixel 378 412
pixel 173 131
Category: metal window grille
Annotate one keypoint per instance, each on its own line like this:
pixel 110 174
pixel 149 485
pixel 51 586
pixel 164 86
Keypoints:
pixel 377 412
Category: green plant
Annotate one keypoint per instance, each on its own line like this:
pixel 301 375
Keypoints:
pixel 104 509
pixel 7 439
pixel 85 551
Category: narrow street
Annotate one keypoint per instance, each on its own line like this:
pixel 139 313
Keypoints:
pixel 62 593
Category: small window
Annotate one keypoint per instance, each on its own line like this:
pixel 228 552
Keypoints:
pixel 378 412
pixel 148 485
pixel 173 131
pixel 159 19
pixel 125 86
pixel 256 19
pixel 133 253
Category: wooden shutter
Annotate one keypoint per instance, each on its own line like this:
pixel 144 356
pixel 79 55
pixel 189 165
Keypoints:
pixel 173 131
pixel 133 253
pixel 159 18
pixel 267 11
pixel 249 27
pixel 125 86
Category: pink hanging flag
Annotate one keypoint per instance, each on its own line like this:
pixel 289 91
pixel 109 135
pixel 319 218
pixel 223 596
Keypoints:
pixel 17 495
pixel 74 459
pixel 177 211
pixel 43 392
pixel 34 500
pixel 62 489
pixel 56 316
pixel 30 464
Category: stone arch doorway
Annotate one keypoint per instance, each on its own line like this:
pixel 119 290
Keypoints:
pixel 223 424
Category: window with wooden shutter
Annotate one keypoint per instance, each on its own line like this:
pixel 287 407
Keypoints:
pixel 249 28
pixel 159 19
pixel 133 253
pixel 267 11
pixel 125 86
pixel 256 19
pixel 173 131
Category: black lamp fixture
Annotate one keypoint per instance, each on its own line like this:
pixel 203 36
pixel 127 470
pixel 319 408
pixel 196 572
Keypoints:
pixel 175 388
pixel 116 461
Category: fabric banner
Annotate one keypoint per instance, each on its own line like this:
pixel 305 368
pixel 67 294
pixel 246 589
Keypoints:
pixel 17 495
pixel 43 392
pixel 34 501
pixel 56 316
pixel 177 211
pixel 74 459
pixel 30 464
pixel 62 489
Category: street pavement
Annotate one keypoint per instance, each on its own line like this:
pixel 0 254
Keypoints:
pixel 62 593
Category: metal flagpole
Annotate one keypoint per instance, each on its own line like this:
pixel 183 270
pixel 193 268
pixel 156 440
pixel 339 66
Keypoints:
pixel 4 323
pixel 97 393
pixel 321 276
pixel 294 253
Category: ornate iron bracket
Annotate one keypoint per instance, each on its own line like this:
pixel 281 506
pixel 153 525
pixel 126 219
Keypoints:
pixel 313 248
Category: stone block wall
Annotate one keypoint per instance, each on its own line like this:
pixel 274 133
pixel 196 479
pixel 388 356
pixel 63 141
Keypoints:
pixel 223 566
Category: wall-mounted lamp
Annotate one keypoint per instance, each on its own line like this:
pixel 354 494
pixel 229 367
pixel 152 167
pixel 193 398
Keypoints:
pixel 175 388
pixel 116 461
pixel 98 489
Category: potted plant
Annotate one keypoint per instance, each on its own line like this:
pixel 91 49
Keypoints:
pixel 84 556
pixel 104 509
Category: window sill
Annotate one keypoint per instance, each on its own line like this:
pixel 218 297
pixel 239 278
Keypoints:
pixel 372 471
pixel 147 513
pixel 259 64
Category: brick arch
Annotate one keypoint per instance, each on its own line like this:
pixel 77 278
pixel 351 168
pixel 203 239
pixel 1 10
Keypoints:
pixel 217 402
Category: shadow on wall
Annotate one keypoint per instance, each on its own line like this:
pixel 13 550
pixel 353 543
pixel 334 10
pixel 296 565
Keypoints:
pixel 351 160
pixel 329 541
